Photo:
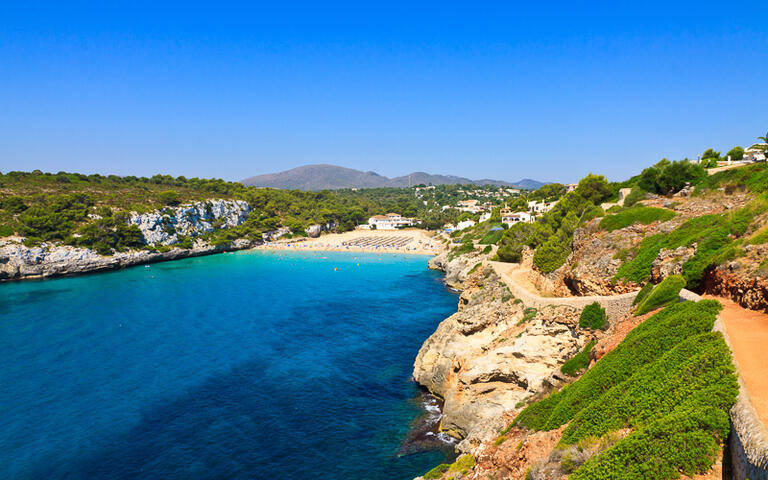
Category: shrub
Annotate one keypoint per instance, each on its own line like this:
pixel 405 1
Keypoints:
pixel 643 293
pixel 736 153
pixel 634 196
pixel 552 255
pixel 631 216
pixel 665 293
pixel 669 177
pixel 578 362
pixel 437 472
pixel 671 381
pixel 13 205
pixel 463 464
pixel 6 230
pixel 593 317
pixel 169 197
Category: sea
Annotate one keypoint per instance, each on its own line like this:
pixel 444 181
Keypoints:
pixel 246 365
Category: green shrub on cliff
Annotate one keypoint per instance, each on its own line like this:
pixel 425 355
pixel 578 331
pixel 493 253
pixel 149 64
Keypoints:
pixel 671 381
pixel 643 293
pixel 551 255
pixel 631 216
pixel 578 362
pixel 665 293
pixel 437 472
pixel 593 317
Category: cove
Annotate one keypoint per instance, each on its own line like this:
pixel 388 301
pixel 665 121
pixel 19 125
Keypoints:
pixel 252 364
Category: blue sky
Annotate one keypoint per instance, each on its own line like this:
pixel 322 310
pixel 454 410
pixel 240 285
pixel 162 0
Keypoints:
pixel 550 91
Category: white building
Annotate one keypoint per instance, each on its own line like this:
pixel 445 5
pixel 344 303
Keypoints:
pixel 485 217
pixel 540 207
pixel 465 224
pixel 390 221
pixel 756 153
pixel 511 218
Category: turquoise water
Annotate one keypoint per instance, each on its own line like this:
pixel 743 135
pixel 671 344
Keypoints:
pixel 247 365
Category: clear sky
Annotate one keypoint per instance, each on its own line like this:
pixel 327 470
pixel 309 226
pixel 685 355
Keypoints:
pixel 477 89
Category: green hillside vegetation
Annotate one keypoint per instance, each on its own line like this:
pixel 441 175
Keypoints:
pixel 716 237
pixel 593 317
pixel 665 293
pixel 552 235
pixel 671 381
pixel 578 362
pixel 633 215
pixel 643 293
pixel 56 207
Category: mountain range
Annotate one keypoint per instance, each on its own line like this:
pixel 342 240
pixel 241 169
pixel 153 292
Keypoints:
pixel 322 177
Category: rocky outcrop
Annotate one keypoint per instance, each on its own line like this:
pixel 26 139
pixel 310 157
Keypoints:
pixel 456 269
pixel 670 262
pixel 164 226
pixel 732 281
pixel 485 359
pixel 19 262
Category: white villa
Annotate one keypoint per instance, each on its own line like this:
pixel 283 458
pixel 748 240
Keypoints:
pixel 484 217
pixel 540 207
pixel 756 153
pixel 465 224
pixel 510 218
pixel 471 206
pixel 390 221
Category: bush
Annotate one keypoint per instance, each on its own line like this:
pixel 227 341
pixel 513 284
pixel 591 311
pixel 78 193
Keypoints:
pixel 13 205
pixel 169 197
pixel 463 464
pixel 593 317
pixel 437 472
pixel 631 216
pixel 736 153
pixel 578 362
pixel 671 381
pixel 669 177
pixel 6 230
pixel 634 196
pixel 665 293
pixel 643 293
pixel 552 255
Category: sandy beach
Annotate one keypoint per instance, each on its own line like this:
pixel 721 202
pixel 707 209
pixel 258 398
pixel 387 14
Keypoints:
pixel 412 241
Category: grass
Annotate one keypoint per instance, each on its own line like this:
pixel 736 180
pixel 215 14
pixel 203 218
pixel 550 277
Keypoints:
pixel 634 215
pixel 671 381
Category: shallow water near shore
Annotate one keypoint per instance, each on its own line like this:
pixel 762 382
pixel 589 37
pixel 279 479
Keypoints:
pixel 248 365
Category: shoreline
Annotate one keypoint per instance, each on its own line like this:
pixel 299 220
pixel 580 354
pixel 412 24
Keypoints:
pixel 411 242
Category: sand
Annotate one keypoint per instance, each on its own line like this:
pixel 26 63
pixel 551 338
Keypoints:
pixel 748 334
pixel 411 241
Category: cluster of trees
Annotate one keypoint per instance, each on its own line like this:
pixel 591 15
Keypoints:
pixel 710 157
pixel 553 234
pixel 669 177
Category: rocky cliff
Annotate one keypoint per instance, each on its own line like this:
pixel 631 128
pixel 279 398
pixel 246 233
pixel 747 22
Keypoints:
pixel 162 227
pixel 491 355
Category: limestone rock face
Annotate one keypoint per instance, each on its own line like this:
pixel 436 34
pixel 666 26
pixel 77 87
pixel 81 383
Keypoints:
pixel 670 262
pixel 18 261
pixel 163 227
pixel 483 361
pixel 456 269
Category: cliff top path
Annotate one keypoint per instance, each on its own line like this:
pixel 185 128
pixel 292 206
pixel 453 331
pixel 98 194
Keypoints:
pixel 748 334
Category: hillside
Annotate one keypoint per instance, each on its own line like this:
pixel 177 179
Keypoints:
pixel 332 177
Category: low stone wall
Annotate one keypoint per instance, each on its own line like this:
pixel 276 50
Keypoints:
pixel 748 441
pixel 615 305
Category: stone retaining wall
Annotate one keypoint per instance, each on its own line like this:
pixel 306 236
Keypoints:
pixel 615 305
pixel 748 441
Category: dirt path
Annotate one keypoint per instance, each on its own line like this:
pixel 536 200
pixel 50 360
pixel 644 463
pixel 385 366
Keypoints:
pixel 748 333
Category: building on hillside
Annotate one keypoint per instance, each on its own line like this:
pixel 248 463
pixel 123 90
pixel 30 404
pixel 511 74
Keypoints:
pixel 570 187
pixel 756 153
pixel 485 217
pixel 511 218
pixel 390 221
pixel 465 224
pixel 448 228
pixel 538 208
pixel 471 206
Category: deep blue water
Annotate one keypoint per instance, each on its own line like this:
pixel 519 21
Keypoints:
pixel 246 365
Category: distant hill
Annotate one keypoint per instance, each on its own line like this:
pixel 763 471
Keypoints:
pixel 321 177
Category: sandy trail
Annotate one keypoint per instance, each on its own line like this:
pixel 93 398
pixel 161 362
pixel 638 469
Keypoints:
pixel 748 334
